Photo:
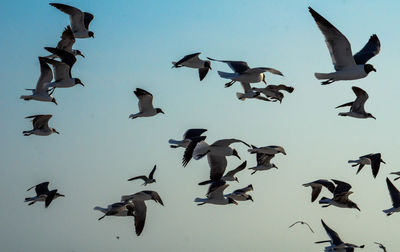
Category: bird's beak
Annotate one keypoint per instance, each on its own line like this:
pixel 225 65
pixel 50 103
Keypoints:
pixel 358 208
pixel 237 155
pixel 54 101
pixel 62 195
pixel 373 117
pixel 58 133
pixel 264 81
pixel 373 69
pixel 237 180
pixel 82 84
pixel 383 161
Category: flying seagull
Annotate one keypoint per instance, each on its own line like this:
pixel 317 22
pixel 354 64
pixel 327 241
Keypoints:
pixel 274 91
pixel 336 243
pixel 243 73
pixel 241 194
pixel 381 246
pixel 317 185
pixel 40 126
pixel 395 196
pixel 187 138
pixel 79 20
pixel 43 194
pixel 62 70
pixel 193 61
pixel 264 156
pixel 142 196
pixel 216 196
pixel 41 92
pixel 347 66
pixel 303 223
pixel 146 108
pixel 248 93
pixel 217 168
pixel 340 196
pixel 372 159
pixel 66 43
pixel 116 209
pixel 147 180
pixel 357 107
pixel 396 173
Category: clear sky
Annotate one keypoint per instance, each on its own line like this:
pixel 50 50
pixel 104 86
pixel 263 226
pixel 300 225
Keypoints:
pixel 99 147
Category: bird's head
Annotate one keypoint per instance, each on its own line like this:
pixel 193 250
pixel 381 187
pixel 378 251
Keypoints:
pixel 370 115
pixel 78 81
pixel 207 64
pixel 91 34
pixel 236 179
pixel 232 201
pixel 158 110
pixel 368 68
pixel 263 78
pixel 53 100
pixel 78 52
pixel 235 153
pixel 55 131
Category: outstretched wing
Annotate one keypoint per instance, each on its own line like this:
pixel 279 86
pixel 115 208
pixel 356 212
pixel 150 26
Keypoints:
pixel 145 99
pixel 217 166
pixel 138 177
pixel 362 97
pixel 236 66
pixel 237 169
pixel 191 133
pixel 370 49
pixel 186 58
pixel 152 172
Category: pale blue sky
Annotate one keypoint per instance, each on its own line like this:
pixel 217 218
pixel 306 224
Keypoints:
pixel 99 147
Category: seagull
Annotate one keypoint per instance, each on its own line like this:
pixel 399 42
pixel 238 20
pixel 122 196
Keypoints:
pixel 146 108
pixel 243 73
pixel 241 194
pixel 189 134
pixel 357 107
pixel 340 196
pixel 347 66
pixel 142 196
pixel 395 195
pixel 336 243
pixel 303 223
pixel 193 61
pixel 147 180
pixel 62 70
pixel 66 43
pixel 217 168
pixel 216 196
pixel 40 126
pixel 372 159
pixel 194 141
pixel 116 209
pixel 273 91
pixel 316 187
pixel 381 246
pixel 263 163
pixel 43 194
pixel 41 92
pixel 271 150
pixel 249 93
pixel 79 20
pixel 396 173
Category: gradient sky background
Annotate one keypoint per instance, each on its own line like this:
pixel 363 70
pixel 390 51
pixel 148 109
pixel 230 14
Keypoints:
pixel 99 148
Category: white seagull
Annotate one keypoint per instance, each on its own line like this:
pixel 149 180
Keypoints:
pixel 146 108
pixel 66 43
pixel 187 138
pixel 395 196
pixel 243 73
pixel 147 180
pixel 216 196
pixel 79 20
pixel 347 66
pixel 193 61
pixel 340 196
pixel 316 187
pixel 373 159
pixel 357 107
pixel 62 70
pixel 241 194
pixel 43 194
pixel 273 91
pixel 41 92
pixel 40 126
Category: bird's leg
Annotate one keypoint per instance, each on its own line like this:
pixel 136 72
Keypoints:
pixel 229 83
pixel 327 82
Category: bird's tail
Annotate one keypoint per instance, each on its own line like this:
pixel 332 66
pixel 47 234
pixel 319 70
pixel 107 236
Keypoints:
pixel 324 200
pixel 103 210
pixel 240 96
pixel 199 200
pixel 388 212
pixel 352 161
pixel 226 75
pixel 322 76
pixel 172 141
pixel 133 116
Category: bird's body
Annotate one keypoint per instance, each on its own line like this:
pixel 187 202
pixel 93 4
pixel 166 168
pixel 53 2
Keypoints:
pixel 216 195
pixel 43 194
pixel 147 180
pixel 395 196
pixel 40 126
pixel 146 108
pixel 116 209
pixel 193 61
pixel 274 91
pixel 357 107
pixel 66 43
pixel 372 159
pixel 340 196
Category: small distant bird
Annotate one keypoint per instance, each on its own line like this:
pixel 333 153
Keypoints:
pixel 193 61
pixel 264 156
pixel 347 66
pixel 396 173
pixel 303 223
pixel 146 108
pixel 381 246
pixel 273 91
pixel 336 243
pixel 243 73
pixel 79 20
pixel 116 209
pixel 187 138
pixel 62 70
pixel 217 168
pixel 357 107
pixel 147 180
pixel 317 185
pixel 271 150
pixel 40 126
pixel 216 196
pixel 42 92
pixel 373 159
pixel 43 194
pixel 340 196
pixel 66 43
pixel 395 196
pixel 117 237
pixel 241 194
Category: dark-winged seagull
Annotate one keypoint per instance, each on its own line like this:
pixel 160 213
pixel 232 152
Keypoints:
pixel 357 107
pixel 147 180
pixel 43 194
pixel 373 159
pixel 241 194
pixel 340 196
pixel 216 196
pixel 193 61
pixel 273 91
pixel 146 108
pixel 243 73
pixel 66 43
pixel 79 20
pixel 303 223
pixel 40 126
pixel 395 196
pixel 347 66
pixel 187 138
pixel 42 92
pixel 317 185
